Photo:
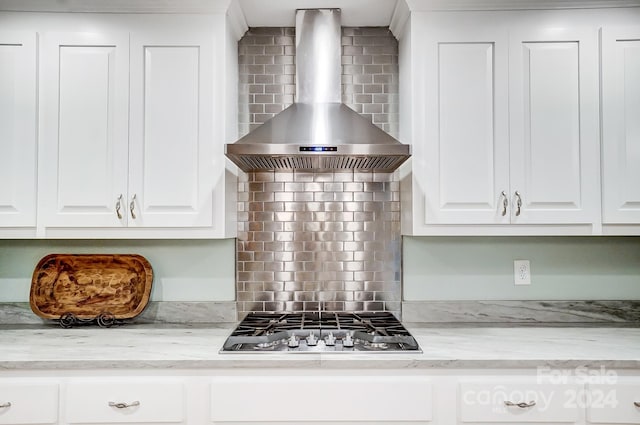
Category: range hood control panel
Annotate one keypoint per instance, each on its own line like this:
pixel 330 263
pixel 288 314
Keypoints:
pixel 318 149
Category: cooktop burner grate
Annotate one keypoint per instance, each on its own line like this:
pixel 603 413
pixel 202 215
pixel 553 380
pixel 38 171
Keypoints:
pixel 320 332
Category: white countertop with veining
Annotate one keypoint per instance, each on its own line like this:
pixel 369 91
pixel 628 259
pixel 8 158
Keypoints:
pixel 190 347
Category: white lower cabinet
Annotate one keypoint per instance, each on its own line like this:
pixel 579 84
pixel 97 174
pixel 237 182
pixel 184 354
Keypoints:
pixel 131 401
pixel 28 403
pixel 331 398
pixel 341 396
pixel 522 401
pixel 617 403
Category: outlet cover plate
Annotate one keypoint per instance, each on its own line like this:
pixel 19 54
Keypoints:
pixel 522 272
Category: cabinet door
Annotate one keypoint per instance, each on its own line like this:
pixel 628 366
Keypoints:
pixel 466 145
pixel 621 125
pixel 17 129
pixel 28 403
pixel 84 108
pixel 330 398
pixel 613 403
pixel 518 401
pixel 553 101
pixel 130 401
pixel 171 137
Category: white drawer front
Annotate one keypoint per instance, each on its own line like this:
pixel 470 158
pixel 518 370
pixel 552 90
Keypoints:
pixel 320 398
pixel 151 401
pixel 28 403
pixel 613 403
pixel 486 402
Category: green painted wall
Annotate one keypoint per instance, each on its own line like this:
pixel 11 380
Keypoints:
pixel 481 268
pixel 184 270
pixel 434 268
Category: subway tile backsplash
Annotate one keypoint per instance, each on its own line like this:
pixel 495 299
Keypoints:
pixel 318 240
pixel 369 75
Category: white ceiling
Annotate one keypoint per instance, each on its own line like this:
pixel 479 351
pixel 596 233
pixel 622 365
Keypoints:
pixel 281 13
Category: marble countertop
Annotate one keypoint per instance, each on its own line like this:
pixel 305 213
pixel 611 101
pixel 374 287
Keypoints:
pixel 189 347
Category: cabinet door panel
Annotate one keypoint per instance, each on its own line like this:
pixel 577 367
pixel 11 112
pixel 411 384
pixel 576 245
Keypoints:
pixel 621 126
pixel 86 168
pixel 467 146
pixel 371 399
pixel 554 114
pixel 18 129
pixel 171 116
pixel 84 128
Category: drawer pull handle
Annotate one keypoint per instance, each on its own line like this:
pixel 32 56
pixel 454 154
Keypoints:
pixel 5 405
pixel 521 405
pixel 635 403
pixel 124 405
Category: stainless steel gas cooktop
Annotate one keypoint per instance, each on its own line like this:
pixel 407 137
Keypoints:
pixel 309 332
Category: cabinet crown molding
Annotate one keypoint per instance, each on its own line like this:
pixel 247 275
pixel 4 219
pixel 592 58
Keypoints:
pixel 470 5
pixel 399 19
pixel 236 20
pixel 117 6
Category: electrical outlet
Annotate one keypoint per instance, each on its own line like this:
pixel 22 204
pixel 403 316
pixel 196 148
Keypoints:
pixel 521 272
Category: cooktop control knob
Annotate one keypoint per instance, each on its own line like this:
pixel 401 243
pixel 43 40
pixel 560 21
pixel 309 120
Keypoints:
pixel 347 341
pixel 311 339
pixel 330 339
pixel 293 341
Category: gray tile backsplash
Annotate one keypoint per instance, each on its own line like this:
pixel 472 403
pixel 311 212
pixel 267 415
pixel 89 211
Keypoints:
pixel 318 240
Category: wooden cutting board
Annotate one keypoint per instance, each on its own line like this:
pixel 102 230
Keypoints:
pixel 87 285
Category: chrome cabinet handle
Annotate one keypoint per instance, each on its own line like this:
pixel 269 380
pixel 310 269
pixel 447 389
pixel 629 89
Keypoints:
pixel 119 206
pixel 521 405
pixel 518 203
pixel 132 206
pixel 5 405
pixel 505 203
pixel 124 405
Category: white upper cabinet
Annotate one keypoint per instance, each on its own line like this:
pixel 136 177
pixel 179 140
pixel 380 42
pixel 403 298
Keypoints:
pixel 127 137
pixel 17 132
pixel 621 125
pixel 504 126
pixel 133 121
pixel 553 105
pixel 170 146
pixel 466 144
pixel 84 133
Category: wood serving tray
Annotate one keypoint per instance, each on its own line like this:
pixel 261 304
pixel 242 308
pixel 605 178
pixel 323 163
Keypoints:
pixel 88 285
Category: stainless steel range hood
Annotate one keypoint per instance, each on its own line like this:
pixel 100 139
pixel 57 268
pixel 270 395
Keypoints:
pixel 318 133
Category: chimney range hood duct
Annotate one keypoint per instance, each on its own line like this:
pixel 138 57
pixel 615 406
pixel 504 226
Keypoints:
pixel 318 132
